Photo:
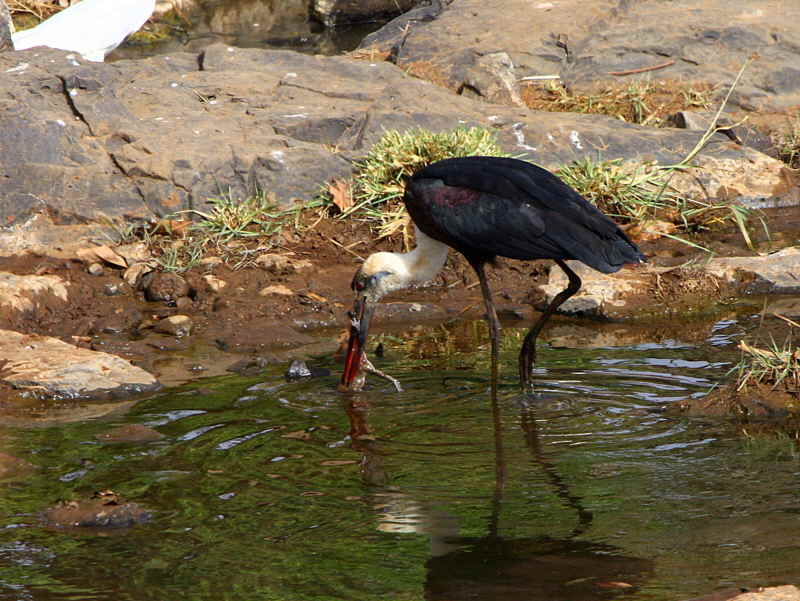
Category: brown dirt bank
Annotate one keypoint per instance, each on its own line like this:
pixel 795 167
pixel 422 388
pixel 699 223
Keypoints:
pixel 104 313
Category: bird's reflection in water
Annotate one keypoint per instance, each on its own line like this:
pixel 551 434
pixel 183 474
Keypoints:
pixel 495 567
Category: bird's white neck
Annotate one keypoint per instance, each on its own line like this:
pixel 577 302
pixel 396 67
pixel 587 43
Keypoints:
pixel 426 260
pixel 404 269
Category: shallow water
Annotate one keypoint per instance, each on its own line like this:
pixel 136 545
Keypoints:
pixel 253 24
pixel 583 491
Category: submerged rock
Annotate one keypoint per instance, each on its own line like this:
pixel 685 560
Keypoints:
pixel 251 366
pixel 48 367
pixel 104 510
pixel 299 369
pixel 130 433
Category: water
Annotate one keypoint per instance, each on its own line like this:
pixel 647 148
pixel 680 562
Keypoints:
pixel 585 491
pixel 252 24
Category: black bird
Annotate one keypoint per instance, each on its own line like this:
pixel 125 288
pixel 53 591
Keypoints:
pixel 485 207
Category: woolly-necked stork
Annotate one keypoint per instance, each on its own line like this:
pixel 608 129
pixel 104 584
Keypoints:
pixel 485 207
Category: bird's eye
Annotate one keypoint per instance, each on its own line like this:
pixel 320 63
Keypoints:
pixel 359 285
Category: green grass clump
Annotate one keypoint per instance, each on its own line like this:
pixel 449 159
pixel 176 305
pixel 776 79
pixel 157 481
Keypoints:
pixel 789 143
pixel 774 366
pixel 627 191
pixel 237 231
pixel 228 218
pixel 379 178
pixel 636 192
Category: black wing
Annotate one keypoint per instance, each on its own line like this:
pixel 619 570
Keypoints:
pixel 488 206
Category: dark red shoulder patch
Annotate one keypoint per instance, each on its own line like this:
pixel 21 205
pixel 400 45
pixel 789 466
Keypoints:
pixel 451 196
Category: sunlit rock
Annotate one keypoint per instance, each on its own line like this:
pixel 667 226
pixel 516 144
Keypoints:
pixel 48 367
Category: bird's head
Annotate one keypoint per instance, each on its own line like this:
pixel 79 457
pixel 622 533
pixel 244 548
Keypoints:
pixel 380 274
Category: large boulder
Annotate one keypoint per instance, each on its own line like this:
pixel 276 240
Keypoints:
pixel 608 42
pixel 142 138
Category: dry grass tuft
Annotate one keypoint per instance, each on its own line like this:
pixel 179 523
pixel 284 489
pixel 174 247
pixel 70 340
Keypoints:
pixel 641 102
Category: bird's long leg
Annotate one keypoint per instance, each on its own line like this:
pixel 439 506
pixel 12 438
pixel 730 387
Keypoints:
pixel 494 323
pixel 527 354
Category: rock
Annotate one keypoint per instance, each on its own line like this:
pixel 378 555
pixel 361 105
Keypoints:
pixel 102 253
pixel 640 35
pixel 95 269
pixel 276 289
pixel 175 325
pixel 137 252
pixel 135 273
pixel 741 133
pixel 778 273
pixel 596 43
pixel 772 593
pixel 130 433
pixel 41 235
pixel 48 367
pixel 6 28
pixel 112 290
pixel 117 322
pixel 752 175
pixel 164 286
pixel 132 140
pixel 211 261
pixel 299 369
pixel 104 510
pixel 650 229
pixel 601 295
pixel 637 290
pixel 214 283
pixel 276 264
pixel 252 366
pixel 25 293
pixel 184 304
pixel 491 77
pixel 339 12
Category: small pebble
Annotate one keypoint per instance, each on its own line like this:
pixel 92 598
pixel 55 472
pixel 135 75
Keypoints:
pixel 175 325
pixel 278 289
pixel 95 269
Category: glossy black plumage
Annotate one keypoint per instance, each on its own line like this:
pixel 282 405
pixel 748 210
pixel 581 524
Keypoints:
pixel 489 206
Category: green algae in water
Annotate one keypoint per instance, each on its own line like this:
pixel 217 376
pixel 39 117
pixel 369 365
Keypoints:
pixel 258 492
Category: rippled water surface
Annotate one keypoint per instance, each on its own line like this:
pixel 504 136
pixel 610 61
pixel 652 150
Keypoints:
pixel 583 491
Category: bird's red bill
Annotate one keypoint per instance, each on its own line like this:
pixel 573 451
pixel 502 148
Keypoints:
pixel 352 359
